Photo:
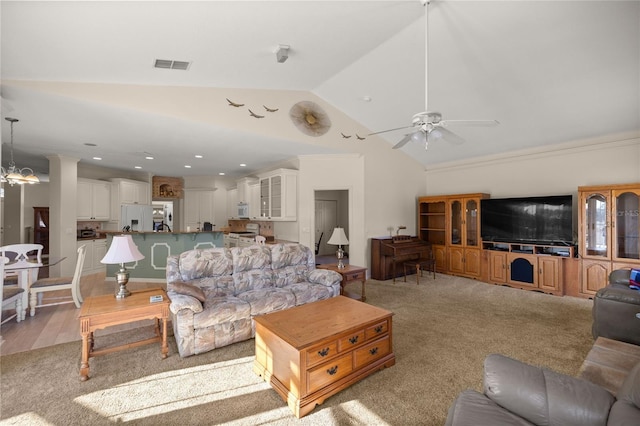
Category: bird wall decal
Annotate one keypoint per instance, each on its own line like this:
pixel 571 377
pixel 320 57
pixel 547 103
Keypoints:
pixel 253 114
pixel 345 136
pixel 270 109
pixel 360 138
pixel 234 104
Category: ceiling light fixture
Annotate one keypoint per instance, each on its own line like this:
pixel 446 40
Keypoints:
pixel 282 53
pixel 199 156
pixel 14 175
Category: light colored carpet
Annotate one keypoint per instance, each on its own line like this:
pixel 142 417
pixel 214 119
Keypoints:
pixel 442 331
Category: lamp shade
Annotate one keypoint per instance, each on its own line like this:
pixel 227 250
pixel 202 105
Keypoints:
pixel 122 250
pixel 338 237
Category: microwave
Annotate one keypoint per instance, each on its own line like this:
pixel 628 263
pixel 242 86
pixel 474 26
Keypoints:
pixel 243 210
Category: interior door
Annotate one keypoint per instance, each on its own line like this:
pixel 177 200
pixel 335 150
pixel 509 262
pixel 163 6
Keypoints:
pixel 326 220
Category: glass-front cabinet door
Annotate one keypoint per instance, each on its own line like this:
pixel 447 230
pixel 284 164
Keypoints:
pixel 626 245
pixel 472 236
pixel 455 231
pixel 596 239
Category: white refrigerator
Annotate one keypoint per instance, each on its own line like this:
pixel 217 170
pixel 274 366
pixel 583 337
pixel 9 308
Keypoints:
pixel 138 217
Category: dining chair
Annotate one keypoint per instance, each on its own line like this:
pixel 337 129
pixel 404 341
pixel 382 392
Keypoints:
pixel 22 253
pixel 260 240
pixel 11 295
pixel 61 283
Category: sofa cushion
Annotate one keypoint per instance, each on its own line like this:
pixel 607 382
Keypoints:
pixel 290 254
pixel 187 289
pixel 221 309
pixel 251 268
pixel 307 292
pixel 267 300
pixel 205 263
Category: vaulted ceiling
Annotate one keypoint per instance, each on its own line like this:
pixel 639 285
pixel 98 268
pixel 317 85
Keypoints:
pixel 80 77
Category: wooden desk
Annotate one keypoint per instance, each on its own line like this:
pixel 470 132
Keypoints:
pixel 350 273
pixel 609 362
pixel 310 352
pixel 105 311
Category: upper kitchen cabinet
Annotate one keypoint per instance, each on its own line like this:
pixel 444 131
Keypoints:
pixel 126 191
pixel 232 203
pixel 279 195
pixel 244 189
pixel 254 200
pixel 93 198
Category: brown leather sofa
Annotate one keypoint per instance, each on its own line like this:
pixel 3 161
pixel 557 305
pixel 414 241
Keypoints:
pixel 616 310
pixel 516 393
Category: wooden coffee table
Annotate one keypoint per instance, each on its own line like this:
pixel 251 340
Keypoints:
pixel 313 351
pixel 106 311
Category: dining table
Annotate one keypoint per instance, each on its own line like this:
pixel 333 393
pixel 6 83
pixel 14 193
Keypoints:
pixel 25 270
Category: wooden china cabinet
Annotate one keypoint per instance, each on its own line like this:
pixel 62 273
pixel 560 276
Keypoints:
pixel 609 225
pixel 451 223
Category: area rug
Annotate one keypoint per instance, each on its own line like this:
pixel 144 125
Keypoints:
pixel 442 331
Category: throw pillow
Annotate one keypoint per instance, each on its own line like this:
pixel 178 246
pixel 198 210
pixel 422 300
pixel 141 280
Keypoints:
pixel 181 287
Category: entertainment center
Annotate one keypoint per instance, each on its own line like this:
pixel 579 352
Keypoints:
pixel 530 242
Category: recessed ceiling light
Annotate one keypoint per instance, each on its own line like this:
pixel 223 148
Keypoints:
pixel 198 156
pixel 366 98
pixel 97 158
pixel 137 167
pixel 221 173
pixel 243 165
pixel 186 166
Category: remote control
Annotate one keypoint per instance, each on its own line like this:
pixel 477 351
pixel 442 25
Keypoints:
pixel 157 298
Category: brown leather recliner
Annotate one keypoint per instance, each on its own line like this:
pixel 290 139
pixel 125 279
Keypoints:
pixel 516 393
pixel 616 310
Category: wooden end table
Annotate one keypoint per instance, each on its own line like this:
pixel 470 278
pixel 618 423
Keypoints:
pixel 350 273
pixel 105 311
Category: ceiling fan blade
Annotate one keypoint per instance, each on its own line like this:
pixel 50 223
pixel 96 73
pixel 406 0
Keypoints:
pixel 447 135
pixel 480 123
pixel 403 141
pixel 389 130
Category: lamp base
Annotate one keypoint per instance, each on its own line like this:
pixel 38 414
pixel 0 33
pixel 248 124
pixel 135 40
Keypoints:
pixel 122 278
pixel 340 256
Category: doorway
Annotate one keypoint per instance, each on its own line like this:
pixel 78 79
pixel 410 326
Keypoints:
pixel 331 211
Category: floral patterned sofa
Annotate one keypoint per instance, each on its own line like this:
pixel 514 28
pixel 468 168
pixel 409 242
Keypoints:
pixel 215 293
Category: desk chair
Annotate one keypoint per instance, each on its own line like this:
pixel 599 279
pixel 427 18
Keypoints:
pixel 62 283
pixel 11 296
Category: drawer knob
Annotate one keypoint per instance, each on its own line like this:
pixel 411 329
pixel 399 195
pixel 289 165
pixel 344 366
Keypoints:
pixel 333 370
pixel 353 340
pixel 378 329
pixel 323 352
pixel 373 351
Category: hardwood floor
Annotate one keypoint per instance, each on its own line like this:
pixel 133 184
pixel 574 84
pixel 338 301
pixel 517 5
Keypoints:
pixel 52 325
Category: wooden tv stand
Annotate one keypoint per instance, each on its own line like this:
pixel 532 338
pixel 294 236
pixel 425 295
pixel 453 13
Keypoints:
pixel 313 351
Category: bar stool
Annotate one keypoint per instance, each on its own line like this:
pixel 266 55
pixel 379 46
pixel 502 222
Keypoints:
pixel 420 265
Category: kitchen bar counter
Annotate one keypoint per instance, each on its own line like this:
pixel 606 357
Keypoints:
pixel 157 246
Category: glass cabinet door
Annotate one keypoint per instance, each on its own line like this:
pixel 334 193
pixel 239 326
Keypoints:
pixel 627 224
pixel 471 223
pixel 596 225
pixel 456 223
pixel 265 205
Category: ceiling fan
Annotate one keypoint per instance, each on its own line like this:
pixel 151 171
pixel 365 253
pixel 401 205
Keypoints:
pixel 428 125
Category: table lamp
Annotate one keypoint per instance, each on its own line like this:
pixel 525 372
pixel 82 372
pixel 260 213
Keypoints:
pixel 121 251
pixel 339 238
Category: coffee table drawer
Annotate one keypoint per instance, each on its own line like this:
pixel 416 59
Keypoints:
pixel 351 341
pixel 371 352
pixel 329 372
pixel 376 330
pixel 321 353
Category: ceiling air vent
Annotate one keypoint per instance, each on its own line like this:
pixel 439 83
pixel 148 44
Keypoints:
pixel 174 65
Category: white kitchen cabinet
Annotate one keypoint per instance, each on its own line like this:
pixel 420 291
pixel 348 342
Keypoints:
pixel 95 250
pixel 93 200
pixel 244 189
pixel 279 195
pixel 232 203
pixel 198 208
pixel 254 200
pixel 127 191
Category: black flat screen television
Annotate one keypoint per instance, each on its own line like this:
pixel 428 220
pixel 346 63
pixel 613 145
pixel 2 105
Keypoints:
pixel 530 220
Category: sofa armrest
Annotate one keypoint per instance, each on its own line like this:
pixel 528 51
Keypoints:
pixel 544 397
pixel 324 277
pixel 183 301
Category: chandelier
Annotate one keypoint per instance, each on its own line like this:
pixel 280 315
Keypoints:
pixel 12 174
